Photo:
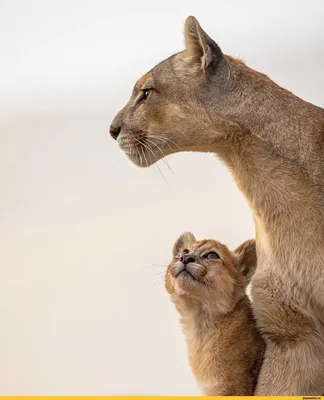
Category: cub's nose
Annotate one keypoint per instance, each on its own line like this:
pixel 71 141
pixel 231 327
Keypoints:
pixel 114 131
pixel 185 259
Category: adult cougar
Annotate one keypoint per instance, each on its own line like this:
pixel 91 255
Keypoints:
pixel 272 141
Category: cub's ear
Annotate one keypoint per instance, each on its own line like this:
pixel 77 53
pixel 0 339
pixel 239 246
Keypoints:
pixel 202 50
pixel 246 258
pixel 186 239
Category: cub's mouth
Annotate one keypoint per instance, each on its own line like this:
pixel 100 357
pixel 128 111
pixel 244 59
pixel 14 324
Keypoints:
pixel 194 272
pixel 186 273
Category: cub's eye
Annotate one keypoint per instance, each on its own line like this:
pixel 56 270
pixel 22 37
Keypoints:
pixel 185 251
pixel 211 256
pixel 145 93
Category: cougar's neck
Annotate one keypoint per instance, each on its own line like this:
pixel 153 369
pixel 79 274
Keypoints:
pixel 287 205
pixel 291 126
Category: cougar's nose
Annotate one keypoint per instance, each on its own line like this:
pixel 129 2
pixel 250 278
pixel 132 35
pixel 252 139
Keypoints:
pixel 185 259
pixel 114 131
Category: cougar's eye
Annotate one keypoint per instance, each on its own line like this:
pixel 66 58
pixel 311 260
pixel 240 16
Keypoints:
pixel 185 251
pixel 211 256
pixel 145 93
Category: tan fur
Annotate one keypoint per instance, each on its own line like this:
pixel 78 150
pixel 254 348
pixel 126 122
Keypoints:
pixel 273 143
pixel 225 348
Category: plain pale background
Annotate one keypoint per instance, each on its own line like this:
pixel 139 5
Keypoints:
pixel 83 310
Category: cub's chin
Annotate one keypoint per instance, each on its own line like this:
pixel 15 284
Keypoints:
pixel 185 282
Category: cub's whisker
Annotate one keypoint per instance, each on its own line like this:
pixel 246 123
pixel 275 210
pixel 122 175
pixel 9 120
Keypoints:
pixel 157 281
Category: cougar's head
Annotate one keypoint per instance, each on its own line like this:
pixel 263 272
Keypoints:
pixel 180 105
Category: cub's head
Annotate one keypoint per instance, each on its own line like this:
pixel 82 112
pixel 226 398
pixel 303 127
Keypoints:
pixel 182 104
pixel 208 271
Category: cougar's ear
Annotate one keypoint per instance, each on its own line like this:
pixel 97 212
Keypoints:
pixel 202 51
pixel 246 259
pixel 184 240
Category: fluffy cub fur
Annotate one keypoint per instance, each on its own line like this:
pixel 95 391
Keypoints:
pixel 207 285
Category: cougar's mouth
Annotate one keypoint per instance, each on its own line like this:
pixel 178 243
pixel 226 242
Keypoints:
pixel 141 150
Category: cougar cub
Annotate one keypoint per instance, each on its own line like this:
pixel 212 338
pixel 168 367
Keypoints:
pixel 207 284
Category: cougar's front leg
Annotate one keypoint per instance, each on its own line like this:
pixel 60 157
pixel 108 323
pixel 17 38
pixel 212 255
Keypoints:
pixel 291 370
pixel 294 359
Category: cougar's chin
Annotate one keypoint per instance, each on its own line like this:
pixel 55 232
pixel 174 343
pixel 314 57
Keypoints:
pixel 141 151
pixel 139 156
pixel 135 159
